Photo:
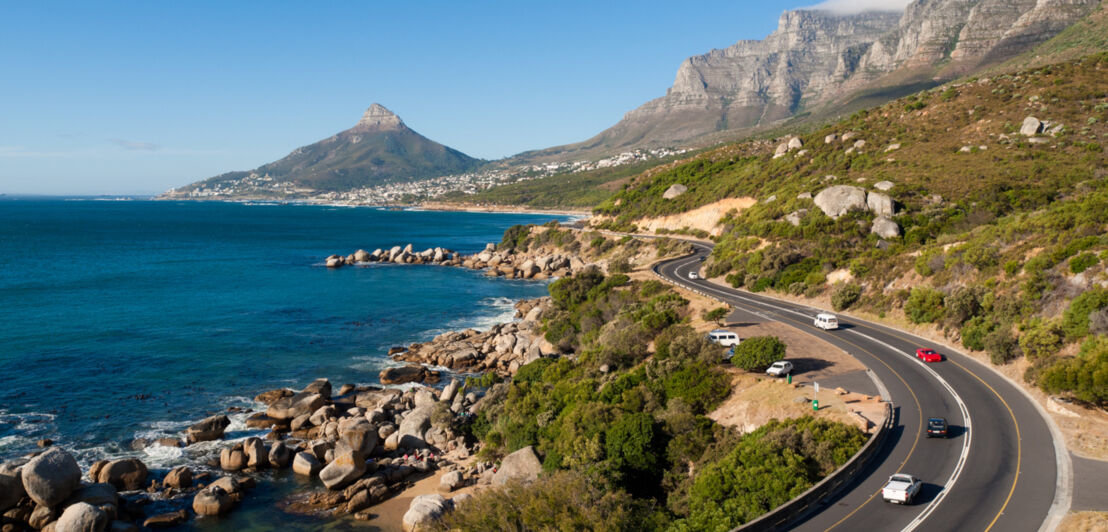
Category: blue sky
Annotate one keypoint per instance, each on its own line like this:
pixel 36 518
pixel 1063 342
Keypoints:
pixel 138 97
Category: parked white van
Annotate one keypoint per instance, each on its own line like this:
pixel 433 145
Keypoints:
pixel 826 321
pixel 724 337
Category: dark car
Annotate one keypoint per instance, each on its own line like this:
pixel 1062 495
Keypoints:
pixel 936 427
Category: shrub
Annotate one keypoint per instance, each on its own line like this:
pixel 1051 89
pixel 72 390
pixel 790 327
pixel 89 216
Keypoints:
pixel 716 314
pixel 1075 320
pixel 1083 262
pixel 1001 346
pixel 963 304
pixel 1085 376
pixel 975 331
pixel 924 305
pixel 1012 267
pixel 630 442
pixel 758 353
pixel 843 295
pixel 981 257
pixel 1041 339
pixel 565 500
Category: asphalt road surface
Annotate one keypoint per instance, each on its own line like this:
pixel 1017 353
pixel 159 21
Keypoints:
pixel 997 471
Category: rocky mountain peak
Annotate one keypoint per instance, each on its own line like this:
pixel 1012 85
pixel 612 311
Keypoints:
pixel 377 117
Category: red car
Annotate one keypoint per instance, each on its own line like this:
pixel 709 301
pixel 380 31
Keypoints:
pixel 928 355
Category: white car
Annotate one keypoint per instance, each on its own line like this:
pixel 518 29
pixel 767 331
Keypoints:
pixel 780 368
pixel 827 322
pixel 724 337
pixel 901 489
pixel 694 276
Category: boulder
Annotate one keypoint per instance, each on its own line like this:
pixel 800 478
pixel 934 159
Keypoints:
pixel 82 517
pixel 347 466
pixel 319 386
pixel 884 186
pixel 166 520
pixel 424 510
pixel 209 429
pixel 98 495
pixel 361 255
pixel 51 477
pixel 795 217
pixel 126 475
pixel 267 398
pixel 306 464
pixel 179 477
pixel 674 190
pixel 880 204
pixel 295 406
pixel 322 415
pixel 450 481
pixel 231 485
pixel 781 150
pixel 830 138
pixel 522 465
pixel 257 456
pixel 11 486
pixel 1031 126
pixel 413 427
pixel 406 374
pixel 838 200
pixel 232 459
pixel 360 436
pixel 300 422
pixel 335 261
pixel 279 455
pixel 41 516
pixel 451 389
pixel 885 228
pixel 211 500
pixel 795 143
pixel 423 397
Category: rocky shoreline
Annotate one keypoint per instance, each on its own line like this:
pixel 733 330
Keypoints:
pixel 364 444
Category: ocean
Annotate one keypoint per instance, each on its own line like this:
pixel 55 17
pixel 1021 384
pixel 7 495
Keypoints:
pixel 123 320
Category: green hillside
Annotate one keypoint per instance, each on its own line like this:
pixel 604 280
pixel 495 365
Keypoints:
pixel 1001 231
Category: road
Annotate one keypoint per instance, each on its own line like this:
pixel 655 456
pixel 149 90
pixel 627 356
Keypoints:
pixel 997 472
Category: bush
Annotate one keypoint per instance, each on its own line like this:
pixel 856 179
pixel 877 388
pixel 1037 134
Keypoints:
pixel 716 314
pixel 1083 262
pixel 630 442
pixel 758 353
pixel 1085 377
pixel 963 304
pixel 975 331
pixel 1075 320
pixel 924 305
pixel 1001 346
pixel 843 295
pixel 562 501
pixel 1041 339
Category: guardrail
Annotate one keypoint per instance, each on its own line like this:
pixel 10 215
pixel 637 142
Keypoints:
pixel 825 490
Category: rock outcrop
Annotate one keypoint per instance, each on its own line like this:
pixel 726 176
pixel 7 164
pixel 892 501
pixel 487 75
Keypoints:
pixel 51 477
pixel 522 465
pixel 840 199
pixel 209 429
pixel 423 510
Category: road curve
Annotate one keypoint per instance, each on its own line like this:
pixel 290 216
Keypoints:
pixel 997 472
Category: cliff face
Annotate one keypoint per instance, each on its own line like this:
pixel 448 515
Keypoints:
pixel 816 59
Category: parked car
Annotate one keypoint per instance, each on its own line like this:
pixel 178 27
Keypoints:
pixel 901 489
pixel 936 427
pixel 694 276
pixel 780 368
pixel 724 337
pixel 826 321
pixel 927 354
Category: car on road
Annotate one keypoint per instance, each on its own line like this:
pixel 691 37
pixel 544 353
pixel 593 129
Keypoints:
pixel 901 489
pixel 927 354
pixel 780 368
pixel 936 427
pixel 826 321
pixel 694 276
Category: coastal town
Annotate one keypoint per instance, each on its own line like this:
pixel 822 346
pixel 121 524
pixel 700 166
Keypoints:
pixel 254 187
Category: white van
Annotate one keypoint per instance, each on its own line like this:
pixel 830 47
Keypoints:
pixel 724 337
pixel 827 322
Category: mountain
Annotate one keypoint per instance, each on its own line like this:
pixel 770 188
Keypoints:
pixel 379 149
pixel 817 62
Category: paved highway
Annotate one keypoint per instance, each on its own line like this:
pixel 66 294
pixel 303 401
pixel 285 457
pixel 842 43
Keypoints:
pixel 997 472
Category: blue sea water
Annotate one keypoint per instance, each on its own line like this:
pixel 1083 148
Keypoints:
pixel 130 319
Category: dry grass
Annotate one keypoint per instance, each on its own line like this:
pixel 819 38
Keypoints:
pixel 1085 522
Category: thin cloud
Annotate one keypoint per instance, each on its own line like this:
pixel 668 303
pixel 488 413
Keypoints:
pixel 851 7
pixel 135 145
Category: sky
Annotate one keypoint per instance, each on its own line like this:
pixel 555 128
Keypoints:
pixel 138 97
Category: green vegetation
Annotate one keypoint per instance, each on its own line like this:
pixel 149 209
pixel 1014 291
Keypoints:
pixel 633 421
pixel 717 314
pixel 758 353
